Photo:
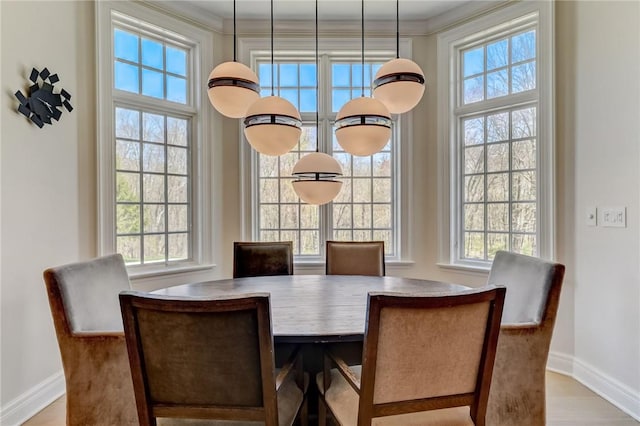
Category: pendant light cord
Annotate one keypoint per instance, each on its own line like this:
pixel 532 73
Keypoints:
pixel 272 70
pixel 397 29
pixel 362 31
pixel 234 31
pixel 317 86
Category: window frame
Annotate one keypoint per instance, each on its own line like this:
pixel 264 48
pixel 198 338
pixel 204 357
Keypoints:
pixel 143 20
pixel 252 48
pixel 504 21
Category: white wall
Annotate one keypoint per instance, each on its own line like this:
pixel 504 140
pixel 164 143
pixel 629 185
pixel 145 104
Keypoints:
pixel 48 179
pixel 599 65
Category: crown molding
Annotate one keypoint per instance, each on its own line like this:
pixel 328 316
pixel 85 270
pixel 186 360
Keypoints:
pixel 189 12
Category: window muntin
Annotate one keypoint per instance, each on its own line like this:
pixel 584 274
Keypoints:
pixel 365 209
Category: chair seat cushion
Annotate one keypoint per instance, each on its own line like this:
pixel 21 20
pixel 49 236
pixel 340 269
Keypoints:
pixel 290 399
pixel 342 400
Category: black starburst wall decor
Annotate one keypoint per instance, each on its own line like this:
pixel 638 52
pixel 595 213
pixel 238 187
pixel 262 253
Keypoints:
pixel 41 104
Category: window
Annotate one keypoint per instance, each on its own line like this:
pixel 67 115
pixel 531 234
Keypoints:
pixel 151 150
pixel 367 207
pixel 498 137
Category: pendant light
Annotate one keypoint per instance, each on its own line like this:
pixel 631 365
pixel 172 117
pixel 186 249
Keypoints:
pixel 315 172
pixel 363 125
pixel 273 125
pixel 233 86
pixel 399 83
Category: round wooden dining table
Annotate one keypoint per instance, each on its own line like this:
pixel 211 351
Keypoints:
pixel 314 308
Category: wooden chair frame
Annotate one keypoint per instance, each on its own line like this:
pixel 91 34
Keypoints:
pixel 367 410
pixel 132 301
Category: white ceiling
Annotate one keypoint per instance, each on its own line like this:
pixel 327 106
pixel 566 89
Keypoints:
pixel 334 10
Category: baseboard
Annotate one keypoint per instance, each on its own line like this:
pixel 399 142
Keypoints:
pixel 619 394
pixel 25 406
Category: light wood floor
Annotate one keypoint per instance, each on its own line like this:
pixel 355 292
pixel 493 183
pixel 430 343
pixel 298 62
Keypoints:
pixel 568 404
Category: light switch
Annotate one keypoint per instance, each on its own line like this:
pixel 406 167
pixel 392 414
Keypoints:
pixel 614 217
pixel 591 215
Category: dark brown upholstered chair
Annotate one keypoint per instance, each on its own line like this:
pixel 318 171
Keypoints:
pixel 84 303
pixel 208 359
pixel 256 259
pixel 427 361
pixel 355 258
pixel 533 291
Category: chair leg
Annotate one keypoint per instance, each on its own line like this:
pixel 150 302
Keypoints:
pixel 304 412
pixel 322 412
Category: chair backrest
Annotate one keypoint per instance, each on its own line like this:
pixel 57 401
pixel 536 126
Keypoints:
pixel 355 258
pixel 256 259
pixel 429 352
pixel 84 295
pixel 534 286
pixel 201 358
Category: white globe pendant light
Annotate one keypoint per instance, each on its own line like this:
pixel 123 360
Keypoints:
pixel 315 173
pixel 363 125
pixel 233 86
pixel 272 125
pixel 399 83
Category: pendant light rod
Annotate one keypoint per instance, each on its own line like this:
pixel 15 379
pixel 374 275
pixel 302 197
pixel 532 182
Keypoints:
pixel 272 70
pixel 235 36
pixel 362 32
pixel 317 86
pixel 397 29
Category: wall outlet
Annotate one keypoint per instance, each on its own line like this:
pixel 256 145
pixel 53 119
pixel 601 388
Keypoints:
pixel 614 217
pixel 590 217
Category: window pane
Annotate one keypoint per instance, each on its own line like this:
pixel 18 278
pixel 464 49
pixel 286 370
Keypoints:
pixel 473 188
pixel 362 235
pixel 342 216
pixel 473 61
pixel 524 123
pixel 308 75
pixel 523 217
pixel 176 61
pixel 498 127
pixel 177 160
pixel 291 96
pixel 125 45
pixel 474 159
pixel 497 56
pixel 129 248
pixel 269 216
pixel 346 194
pixel 523 46
pixel 177 189
pixel 497 84
pixel 177 131
pixel 343 235
pixel 127 218
pixel 153 158
pixel 474 245
pixel 339 98
pixel 309 242
pixel 474 131
pixel 309 217
pixel 268 165
pixel 153 188
pixel 154 215
pixel 127 123
pixel 264 74
pixel 127 155
pixel 287 194
pixel 178 246
pixel 361 190
pixel 268 190
pixel 178 218
pixel 361 166
pixel 307 100
pixel 524 77
pixel 340 74
pixel 152 54
pixel 176 89
pixel 524 155
pixel 154 248
pixel 126 77
pixel 153 127
pixel 362 216
pixel 382 190
pixel 473 89
pixel 289 216
pixel 288 75
pixel 382 164
pixel 152 83
pixel 524 244
pixel 127 186
pixel 497 157
pixel 474 217
pixel 524 186
pixel 498 187
pixel 496 242
pixel 497 217
pixel 382 216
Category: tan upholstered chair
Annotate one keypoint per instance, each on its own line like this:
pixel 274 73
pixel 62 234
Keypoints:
pixel 84 303
pixel 533 291
pixel 427 361
pixel 355 258
pixel 208 359
pixel 256 259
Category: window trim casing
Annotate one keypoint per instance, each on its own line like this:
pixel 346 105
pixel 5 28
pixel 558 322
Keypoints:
pixel 201 44
pixel 448 44
pixel 248 159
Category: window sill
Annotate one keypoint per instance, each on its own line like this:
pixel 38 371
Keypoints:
pixel 164 271
pixel 473 270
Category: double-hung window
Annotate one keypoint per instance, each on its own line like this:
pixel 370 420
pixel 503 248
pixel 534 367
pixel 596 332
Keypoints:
pixel 497 110
pixel 153 206
pixel 368 205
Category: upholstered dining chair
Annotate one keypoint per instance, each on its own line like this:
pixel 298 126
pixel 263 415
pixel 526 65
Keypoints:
pixel 517 394
pixel 255 259
pixel 355 258
pixel 427 360
pixel 208 359
pixel 86 315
